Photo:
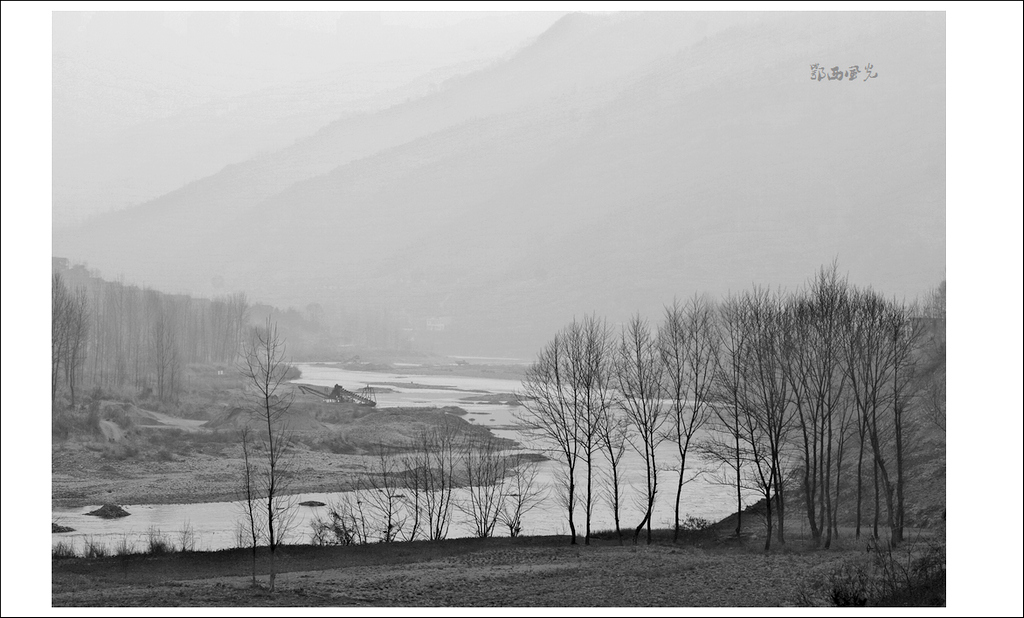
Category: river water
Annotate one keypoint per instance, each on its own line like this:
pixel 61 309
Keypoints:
pixel 214 525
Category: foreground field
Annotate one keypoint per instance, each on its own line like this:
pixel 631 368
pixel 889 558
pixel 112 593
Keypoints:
pixel 538 572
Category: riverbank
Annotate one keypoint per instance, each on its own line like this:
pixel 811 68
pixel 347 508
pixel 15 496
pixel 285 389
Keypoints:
pixel 178 463
pixel 81 477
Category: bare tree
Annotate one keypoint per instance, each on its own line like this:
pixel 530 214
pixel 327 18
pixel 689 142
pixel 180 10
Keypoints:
pixel 934 361
pixel 238 309
pixel 614 436
pixel 813 340
pixel 77 337
pixel 589 356
pixel 846 423
pixel 69 320
pixel 567 393
pixel 484 469
pixel 165 345
pixel 905 334
pixel 769 417
pixel 60 310
pixel 441 448
pixel 870 367
pixel 754 407
pixel 252 526
pixel 414 465
pixel 263 368
pixel 688 345
pixel 725 448
pixel 933 314
pixel 384 496
pixel 550 416
pixel 523 491
pixel 640 379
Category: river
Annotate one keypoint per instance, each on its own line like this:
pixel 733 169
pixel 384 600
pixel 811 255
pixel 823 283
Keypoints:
pixel 214 525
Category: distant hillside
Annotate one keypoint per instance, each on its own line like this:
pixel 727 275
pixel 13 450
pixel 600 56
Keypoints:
pixel 619 161
pixel 167 98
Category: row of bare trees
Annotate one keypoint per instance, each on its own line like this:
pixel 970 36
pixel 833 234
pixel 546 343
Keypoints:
pixel 70 325
pixel 419 490
pixel 591 391
pixel 112 335
pixel 769 390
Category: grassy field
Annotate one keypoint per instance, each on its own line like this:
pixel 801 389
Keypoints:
pixel 704 570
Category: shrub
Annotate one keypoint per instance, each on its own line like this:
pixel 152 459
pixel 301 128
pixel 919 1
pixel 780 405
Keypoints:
pixel 63 550
pixel 908 575
pixel 124 547
pixel 94 549
pixel 695 524
pixel 61 426
pixel 243 539
pixel 848 586
pixel 341 527
pixel 120 451
pixel 120 415
pixel 187 537
pixel 157 543
pixel 92 421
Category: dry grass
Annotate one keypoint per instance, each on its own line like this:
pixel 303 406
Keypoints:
pixel 531 571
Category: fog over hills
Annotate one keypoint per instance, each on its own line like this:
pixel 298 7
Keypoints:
pixel 615 163
pixel 144 102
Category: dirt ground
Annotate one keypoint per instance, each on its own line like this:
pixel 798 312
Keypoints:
pixel 175 460
pixel 81 477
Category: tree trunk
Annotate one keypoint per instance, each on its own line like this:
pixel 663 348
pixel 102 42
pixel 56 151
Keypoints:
pixel 860 485
pixel 739 495
pixel 273 571
pixel 572 505
pixel 679 495
pixel 646 521
pixel 780 501
pixel 827 489
pixel 874 525
pixel 615 501
pixel 809 485
pixel 898 523
pixel 586 538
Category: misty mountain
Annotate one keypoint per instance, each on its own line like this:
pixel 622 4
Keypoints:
pixel 144 102
pixel 617 162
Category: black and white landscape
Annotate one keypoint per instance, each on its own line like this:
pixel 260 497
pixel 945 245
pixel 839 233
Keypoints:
pixel 534 309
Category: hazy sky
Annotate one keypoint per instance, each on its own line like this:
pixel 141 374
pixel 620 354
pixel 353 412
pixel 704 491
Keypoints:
pixel 134 92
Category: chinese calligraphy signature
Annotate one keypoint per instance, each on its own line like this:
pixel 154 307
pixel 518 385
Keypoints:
pixel 819 72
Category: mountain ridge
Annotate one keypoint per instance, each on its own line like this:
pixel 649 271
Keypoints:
pixel 579 182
